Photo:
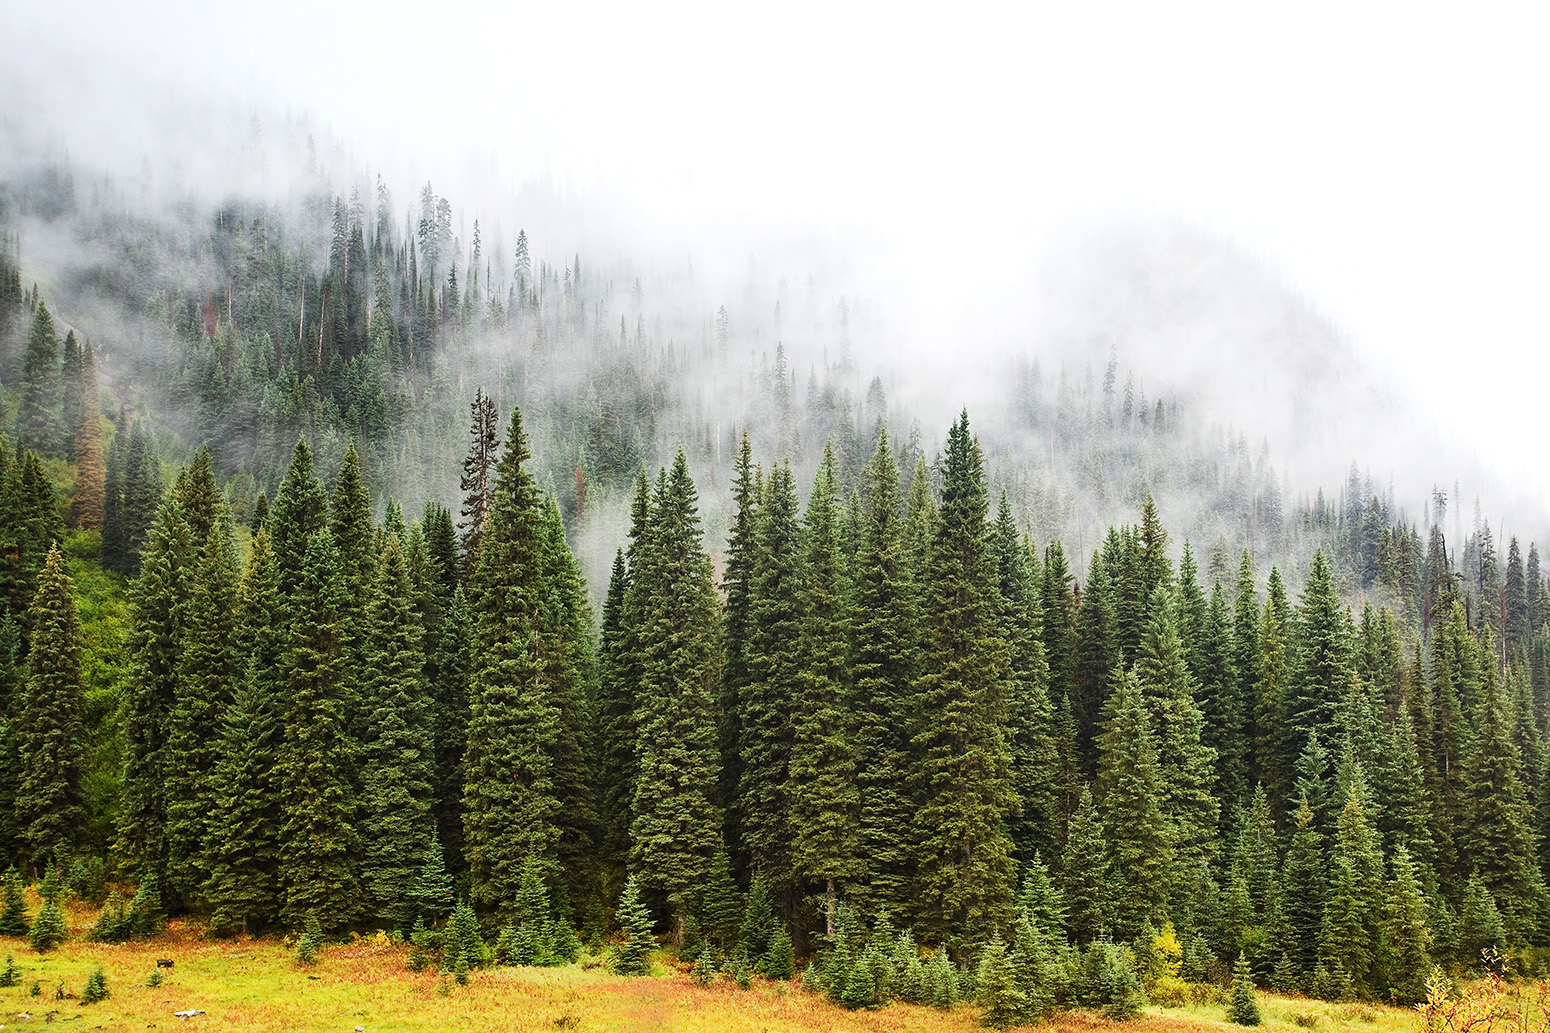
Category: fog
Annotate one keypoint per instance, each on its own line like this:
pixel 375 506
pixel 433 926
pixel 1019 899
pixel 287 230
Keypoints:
pixel 1321 229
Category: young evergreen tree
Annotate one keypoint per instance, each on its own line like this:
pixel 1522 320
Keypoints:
pixel 1303 893
pixel 633 956
pixel 1086 884
pixel 1129 794
pixel 47 722
pixel 676 822
pixel 962 764
pixel 1243 1008
pixel 1406 958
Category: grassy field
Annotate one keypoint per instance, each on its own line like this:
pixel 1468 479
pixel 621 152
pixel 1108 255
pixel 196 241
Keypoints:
pixel 257 985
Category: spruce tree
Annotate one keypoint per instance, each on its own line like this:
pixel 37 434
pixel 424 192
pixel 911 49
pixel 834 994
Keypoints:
pixel 738 585
pixel 962 765
pixel 479 475
pixel 207 675
pixel 1002 1001
pixel 676 821
pixel 1035 755
pixel 157 635
pixel 1323 672
pixel 1406 958
pixel 616 726
pixel 822 790
pixel 242 855
pixel 49 805
pixel 39 424
pixel 299 510
pixel 13 916
pixel 774 669
pixel 88 502
pixel 318 839
pixel 1303 890
pixel 1129 793
pixel 633 956
pixel 1084 867
pixel 1097 654
pixel 882 664
pixel 1243 1008
pixel 1186 766
pixel 397 758
pixel 511 803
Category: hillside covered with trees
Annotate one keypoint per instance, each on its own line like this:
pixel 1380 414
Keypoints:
pixel 356 576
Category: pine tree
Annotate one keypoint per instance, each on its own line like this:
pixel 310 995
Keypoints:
pixel 1035 755
pixel 243 848
pixel 13 918
pixel 775 621
pixel 1302 884
pixel 49 801
pixel 676 822
pixel 1129 794
pixel 882 655
pixel 1243 1009
pixel 1323 672
pixel 1186 766
pixel 1406 936
pixel 318 839
pixel 39 424
pixel 616 726
pixel 207 674
pixel 397 757
pixel 738 585
pixel 511 802
pixel 633 956
pixel 1086 884
pixel 1097 654
pixel 963 765
pixel 479 474
pixel 1228 728
pixel 299 510
pixel 822 791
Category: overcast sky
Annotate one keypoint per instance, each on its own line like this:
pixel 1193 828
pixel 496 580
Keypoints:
pixel 1391 162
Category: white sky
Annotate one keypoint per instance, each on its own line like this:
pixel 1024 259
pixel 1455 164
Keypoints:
pixel 1392 160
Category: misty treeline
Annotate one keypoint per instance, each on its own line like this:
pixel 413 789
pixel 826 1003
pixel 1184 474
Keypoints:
pixel 863 711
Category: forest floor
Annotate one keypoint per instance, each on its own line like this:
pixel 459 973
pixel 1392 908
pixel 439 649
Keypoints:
pixel 256 984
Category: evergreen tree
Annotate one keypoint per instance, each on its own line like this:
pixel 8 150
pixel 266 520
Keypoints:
pixel 1406 936
pixel 1135 830
pixel 633 956
pixel 1086 884
pixel 88 502
pixel 13 917
pixel 676 822
pixel 882 653
pixel 1323 672
pixel 397 756
pixel 511 799
pixel 738 584
pixel 1353 907
pixel 1002 1001
pixel 1186 766
pixel 47 735
pixel 1097 655
pixel 962 762
pixel 1302 883
pixel 774 668
pixel 822 792
pixel 207 673
pixel 318 840
pixel 1243 1009
pixel 1031 734
pixel 616 726
pixel 299 510
pixel 479 475
pixel 39 424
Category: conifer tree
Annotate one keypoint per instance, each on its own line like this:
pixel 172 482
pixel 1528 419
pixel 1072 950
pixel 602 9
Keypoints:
pixel 1274 745
pixel 1097 654
pixel 1406 937
pixel 775 621
pixel 87 504
pixel 451 678
pixel 822 792
pixel 1129 794
pixel 633 956
pixel 318 839
pixel 1243 1009
pixel 676 822
pixel 1227 722
pixel 1353 908
pixel 1322 674
pixel 721 906
pixel 1002 1001
pixel 616 726
pixel 1302 883
pixel 47 735
pixel 512 805
pixel 1035 756
pixel 207 674
pixel 397 758
pixel 962 761
pixel 882 654
pixel 39 424
pixel 13 917
pixel 479 475
pixel 1186 766
pixel 1084 868
pixel 299 510
pixel 738 584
